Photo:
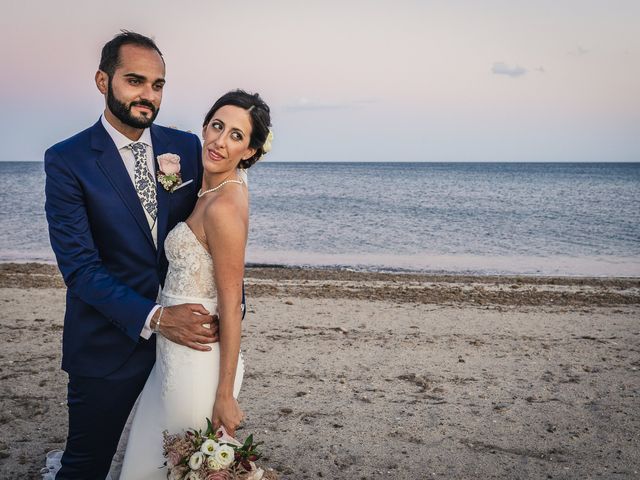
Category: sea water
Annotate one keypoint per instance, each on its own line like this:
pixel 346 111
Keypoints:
pixel 480 218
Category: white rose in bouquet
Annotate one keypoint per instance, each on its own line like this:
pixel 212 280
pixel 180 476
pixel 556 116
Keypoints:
pixel 213 463
pixel 209 447
pixel 224 454
pixel 195 462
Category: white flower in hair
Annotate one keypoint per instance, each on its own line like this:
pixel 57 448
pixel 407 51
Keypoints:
pixel 266 148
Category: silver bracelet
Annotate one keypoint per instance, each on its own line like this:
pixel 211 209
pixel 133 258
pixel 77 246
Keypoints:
pixel 157 327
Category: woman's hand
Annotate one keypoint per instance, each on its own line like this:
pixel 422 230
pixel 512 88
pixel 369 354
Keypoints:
pixel 227 412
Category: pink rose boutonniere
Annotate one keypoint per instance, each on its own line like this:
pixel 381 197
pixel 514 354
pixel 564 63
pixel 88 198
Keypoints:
pixel 169 173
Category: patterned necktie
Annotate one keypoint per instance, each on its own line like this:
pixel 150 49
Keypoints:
pixel 143 179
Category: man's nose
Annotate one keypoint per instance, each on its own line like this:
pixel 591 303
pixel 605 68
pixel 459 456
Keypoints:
pixel 151 94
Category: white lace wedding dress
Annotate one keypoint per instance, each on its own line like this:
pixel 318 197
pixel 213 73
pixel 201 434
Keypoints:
pixel 180 391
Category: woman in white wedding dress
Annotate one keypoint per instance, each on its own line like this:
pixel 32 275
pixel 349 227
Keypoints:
pixel 206 265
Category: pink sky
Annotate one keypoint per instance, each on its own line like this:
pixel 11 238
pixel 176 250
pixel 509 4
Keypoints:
pixel 350 81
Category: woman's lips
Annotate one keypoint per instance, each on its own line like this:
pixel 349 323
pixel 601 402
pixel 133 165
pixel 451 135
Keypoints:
pixel 215 156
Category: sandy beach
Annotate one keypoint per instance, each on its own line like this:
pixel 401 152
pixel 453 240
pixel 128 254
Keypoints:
pixel 354 375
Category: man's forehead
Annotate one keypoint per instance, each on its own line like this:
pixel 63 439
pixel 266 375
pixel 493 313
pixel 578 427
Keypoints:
pixel 130 48
pixel 132 56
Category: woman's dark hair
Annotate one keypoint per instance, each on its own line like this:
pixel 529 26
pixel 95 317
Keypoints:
pixel 110 58
pixel 260 119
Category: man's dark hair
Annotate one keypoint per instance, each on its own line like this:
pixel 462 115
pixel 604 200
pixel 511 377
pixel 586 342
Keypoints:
pixel 110 58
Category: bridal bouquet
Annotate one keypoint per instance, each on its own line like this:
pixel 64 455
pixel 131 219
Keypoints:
pixel 212 455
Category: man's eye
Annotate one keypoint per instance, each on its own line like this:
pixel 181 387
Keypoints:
pixel 134 81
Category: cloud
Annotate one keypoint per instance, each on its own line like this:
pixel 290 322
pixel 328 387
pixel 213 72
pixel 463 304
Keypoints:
pixel 501 68
pixel 578 51
pixel 305 105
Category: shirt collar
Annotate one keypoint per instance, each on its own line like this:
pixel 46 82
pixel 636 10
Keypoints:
pixel 120 140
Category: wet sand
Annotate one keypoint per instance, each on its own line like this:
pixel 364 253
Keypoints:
pixel 356 375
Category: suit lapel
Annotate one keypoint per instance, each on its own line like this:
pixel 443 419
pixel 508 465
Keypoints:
pixel 111 164
pixel 161 144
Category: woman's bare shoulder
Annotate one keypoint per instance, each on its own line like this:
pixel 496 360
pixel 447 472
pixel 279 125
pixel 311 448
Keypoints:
pixel 225 210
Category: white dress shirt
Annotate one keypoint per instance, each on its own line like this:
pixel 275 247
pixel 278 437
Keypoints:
pixel 122 144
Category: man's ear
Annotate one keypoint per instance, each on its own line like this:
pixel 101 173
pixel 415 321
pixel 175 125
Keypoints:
pixel 102 80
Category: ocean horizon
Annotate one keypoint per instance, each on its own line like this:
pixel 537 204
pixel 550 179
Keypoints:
pixel 484 218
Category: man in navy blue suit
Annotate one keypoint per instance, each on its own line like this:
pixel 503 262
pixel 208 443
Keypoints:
pixel 108 218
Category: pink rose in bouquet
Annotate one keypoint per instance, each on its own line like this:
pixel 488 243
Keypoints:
pixel 173 459
pixel 220 475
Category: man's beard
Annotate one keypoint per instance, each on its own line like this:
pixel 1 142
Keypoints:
pixel 123 112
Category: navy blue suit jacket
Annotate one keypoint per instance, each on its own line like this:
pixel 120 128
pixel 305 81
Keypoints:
pixel 103 244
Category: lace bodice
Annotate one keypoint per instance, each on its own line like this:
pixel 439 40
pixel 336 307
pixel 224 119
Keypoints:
pixel 189 280
pixel 190 265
